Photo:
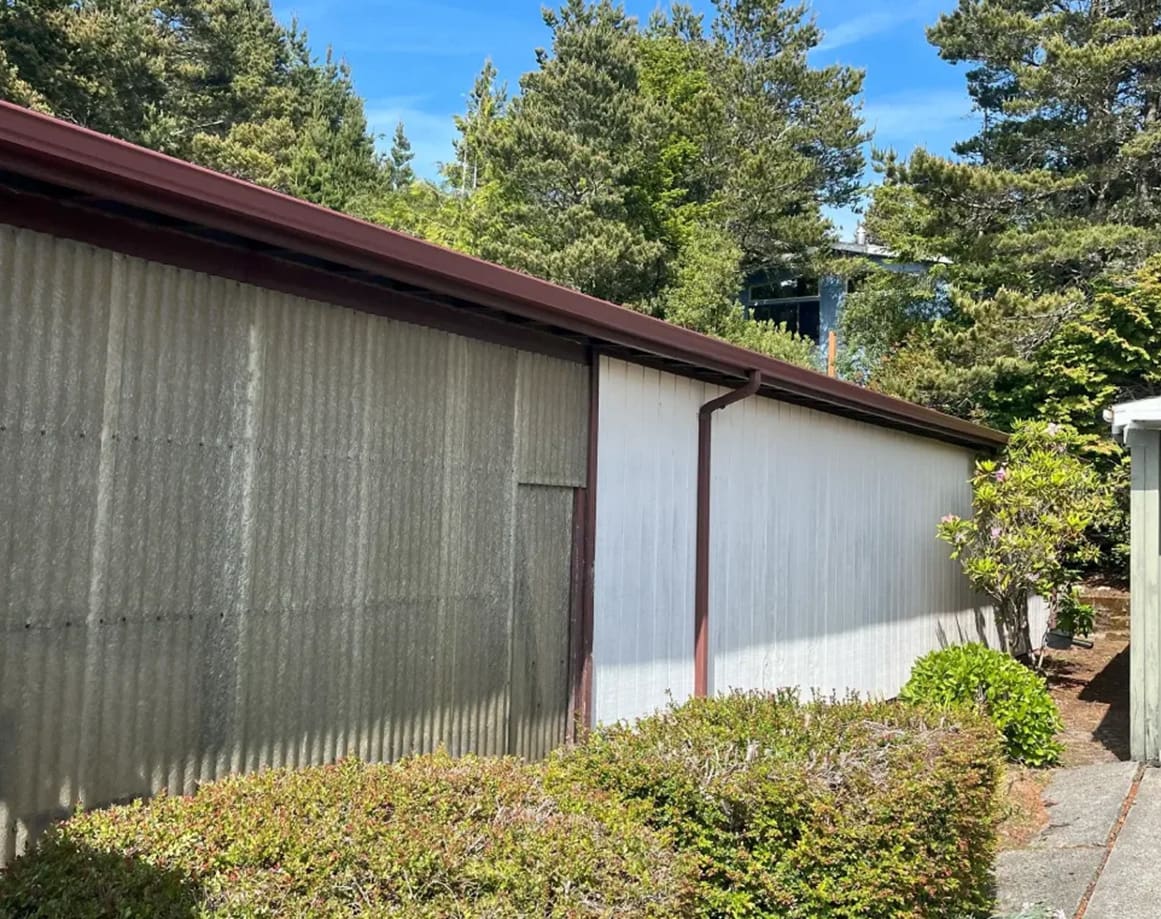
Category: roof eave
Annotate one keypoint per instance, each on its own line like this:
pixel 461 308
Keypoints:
pixel 51 150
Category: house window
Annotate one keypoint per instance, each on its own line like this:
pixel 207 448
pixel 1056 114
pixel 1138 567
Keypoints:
pixel 792 301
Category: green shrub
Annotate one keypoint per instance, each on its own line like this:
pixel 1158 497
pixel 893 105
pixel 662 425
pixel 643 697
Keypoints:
pixel 812 811
pixel 1073 615
pixel 428 837
pixel 1012 696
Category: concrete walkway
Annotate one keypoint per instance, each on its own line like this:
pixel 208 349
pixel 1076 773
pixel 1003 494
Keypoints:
pixel 1087 863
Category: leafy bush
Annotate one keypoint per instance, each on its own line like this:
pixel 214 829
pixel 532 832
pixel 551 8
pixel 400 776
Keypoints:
pixel 1012 696
pixel 1032 515
pixel 812 811
pixel 1073 615
pixel 430 836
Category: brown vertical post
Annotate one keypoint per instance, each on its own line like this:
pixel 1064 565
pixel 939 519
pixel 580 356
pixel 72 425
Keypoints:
pixel 831 353
pixel 576 613
pixel 581 678
pixel 702 559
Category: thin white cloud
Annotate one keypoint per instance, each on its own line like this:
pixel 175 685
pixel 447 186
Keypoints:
pixel 862 27
pixel 917 118
pixel 431 133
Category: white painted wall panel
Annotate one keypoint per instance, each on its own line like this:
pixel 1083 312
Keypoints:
pixel 825 570
pixel 643 582
pixel 826 573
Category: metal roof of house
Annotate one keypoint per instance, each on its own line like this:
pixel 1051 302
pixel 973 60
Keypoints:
pixel 156 203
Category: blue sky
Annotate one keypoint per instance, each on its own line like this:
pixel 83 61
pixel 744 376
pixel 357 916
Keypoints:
pixel 415 60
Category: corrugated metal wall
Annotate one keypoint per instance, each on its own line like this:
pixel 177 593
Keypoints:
pixel 825 569
pixel 241 529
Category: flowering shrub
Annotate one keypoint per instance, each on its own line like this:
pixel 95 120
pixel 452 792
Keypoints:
pixel 1031 512
pixel 749 805
pixel 1015 699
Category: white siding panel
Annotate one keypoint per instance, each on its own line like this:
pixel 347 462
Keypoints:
pixel 643 586
pixel 826 573
pixel 825 570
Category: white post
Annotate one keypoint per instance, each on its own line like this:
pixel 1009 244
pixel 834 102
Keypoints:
pixel 1145 573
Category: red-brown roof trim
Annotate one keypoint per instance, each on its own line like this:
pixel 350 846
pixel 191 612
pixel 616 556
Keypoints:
pixel 54 151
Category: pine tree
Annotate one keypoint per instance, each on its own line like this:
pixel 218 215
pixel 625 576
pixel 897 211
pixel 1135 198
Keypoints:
pixel 401 157
pixel 569 162
pixel 220 82
pixel 1055 199
pixel 487 106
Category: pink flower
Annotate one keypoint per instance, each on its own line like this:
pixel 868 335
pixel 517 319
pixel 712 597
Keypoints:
pixel 995 532
pixel 1001 473
pixel 1053 428
pixel 949 518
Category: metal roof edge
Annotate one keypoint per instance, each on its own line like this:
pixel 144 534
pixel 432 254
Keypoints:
pixel 49 149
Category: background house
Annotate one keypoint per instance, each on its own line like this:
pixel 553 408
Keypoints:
pixel 812 306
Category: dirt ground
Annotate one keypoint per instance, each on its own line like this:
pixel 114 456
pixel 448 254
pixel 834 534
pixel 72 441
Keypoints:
pixel 1091 687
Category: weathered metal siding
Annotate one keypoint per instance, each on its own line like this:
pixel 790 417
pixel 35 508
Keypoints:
pixel 242 529
pixel 824 570
pixel 552 421
pixel 540 625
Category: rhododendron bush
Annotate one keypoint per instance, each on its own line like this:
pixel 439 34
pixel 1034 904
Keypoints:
pixel 1032 512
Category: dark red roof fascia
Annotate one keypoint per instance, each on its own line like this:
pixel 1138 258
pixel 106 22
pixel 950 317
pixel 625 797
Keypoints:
pixel 55 151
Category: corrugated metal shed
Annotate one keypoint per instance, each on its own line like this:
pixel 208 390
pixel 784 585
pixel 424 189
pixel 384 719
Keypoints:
pixel 286 485
pixel 243 529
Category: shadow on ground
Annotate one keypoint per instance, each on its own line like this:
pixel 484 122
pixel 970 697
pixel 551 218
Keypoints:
pixel 1091 686
pixel 1111 687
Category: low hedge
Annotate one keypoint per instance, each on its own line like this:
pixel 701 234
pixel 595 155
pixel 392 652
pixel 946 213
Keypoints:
pixel 812 811
pixel 430 836
pixel 743 806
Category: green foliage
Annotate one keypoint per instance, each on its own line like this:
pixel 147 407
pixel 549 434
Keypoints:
pixel 1048 223
pixel 219 82
pixel 703 296
pixel 399 164
pixel 847 809
pixel 654 166
pixel 1031 514
pixel 748 805
pixel 1074 616
pixel 428 837
pixel 884 308
pixel 1014 697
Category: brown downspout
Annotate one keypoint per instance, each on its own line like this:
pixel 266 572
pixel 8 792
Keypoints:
pixel 701 570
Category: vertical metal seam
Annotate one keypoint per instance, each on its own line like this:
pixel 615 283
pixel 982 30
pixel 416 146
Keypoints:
pixel 510 740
